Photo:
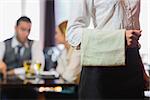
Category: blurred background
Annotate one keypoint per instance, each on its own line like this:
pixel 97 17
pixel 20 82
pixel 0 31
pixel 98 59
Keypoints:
pixel 46 15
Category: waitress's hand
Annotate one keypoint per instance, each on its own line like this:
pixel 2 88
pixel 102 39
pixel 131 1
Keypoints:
pixel 132 37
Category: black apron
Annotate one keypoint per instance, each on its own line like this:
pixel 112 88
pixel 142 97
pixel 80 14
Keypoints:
pixel 121 82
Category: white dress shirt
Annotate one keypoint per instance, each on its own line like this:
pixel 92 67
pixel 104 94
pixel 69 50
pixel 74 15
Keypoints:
pixel 36 50
pixel 106 15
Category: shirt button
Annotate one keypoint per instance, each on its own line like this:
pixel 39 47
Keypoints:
pixel 129 8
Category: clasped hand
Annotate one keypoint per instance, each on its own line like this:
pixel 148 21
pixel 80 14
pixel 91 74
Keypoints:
pixel 132 37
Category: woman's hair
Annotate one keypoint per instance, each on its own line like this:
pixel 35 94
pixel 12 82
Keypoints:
pixel 62 26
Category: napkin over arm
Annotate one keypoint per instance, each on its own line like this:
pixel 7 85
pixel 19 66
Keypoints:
pixel 103 48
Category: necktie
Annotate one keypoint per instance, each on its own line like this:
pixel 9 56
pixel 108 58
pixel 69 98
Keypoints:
pixel 19 55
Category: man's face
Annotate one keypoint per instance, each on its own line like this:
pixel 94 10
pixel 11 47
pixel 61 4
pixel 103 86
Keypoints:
pixel 22 31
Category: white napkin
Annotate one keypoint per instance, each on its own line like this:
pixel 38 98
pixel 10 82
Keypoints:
pixel 19 71
pixel 103 48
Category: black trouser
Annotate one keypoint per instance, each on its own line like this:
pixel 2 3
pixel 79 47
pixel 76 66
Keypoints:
pixel 121 82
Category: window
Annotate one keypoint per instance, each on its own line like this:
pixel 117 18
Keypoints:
pixel 11 10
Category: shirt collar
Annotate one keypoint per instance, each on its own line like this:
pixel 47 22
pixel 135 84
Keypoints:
pixel 15 43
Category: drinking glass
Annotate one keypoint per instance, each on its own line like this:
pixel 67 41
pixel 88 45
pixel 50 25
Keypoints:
pixel 37 67
pixel 27 67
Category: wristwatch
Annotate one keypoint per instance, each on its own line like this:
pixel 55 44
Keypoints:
pixel 77 47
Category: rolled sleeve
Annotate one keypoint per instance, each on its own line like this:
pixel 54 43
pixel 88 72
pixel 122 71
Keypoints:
pixel 79 19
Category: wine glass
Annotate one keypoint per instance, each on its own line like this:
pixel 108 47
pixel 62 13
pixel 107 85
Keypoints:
pixel 37 67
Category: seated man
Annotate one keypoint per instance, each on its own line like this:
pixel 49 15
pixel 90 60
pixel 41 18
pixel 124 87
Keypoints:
pixel 19 48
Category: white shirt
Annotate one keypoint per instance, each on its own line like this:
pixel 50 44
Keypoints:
pixel 106 15
pixel 73 69
pixel 69 65
pixel 37 53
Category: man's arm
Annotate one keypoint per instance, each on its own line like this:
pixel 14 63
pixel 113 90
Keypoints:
pixel 3 66
pixel 3 69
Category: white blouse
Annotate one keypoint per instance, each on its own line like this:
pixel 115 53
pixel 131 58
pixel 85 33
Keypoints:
pixel 105 14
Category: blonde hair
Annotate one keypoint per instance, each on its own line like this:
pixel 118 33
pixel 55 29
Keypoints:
pixel 62 26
